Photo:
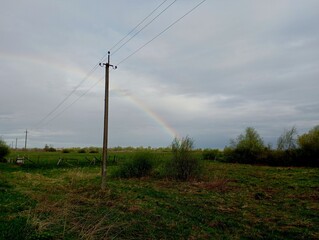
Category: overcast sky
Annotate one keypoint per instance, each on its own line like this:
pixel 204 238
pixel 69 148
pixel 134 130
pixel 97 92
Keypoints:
pixel 226 66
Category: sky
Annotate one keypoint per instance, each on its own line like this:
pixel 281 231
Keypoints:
pixel 225 66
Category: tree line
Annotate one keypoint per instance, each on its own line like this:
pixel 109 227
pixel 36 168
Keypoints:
pixel 292 150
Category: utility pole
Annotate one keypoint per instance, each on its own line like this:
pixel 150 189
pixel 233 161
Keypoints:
pixel 16 143
pixel 26 139
pixel 106 120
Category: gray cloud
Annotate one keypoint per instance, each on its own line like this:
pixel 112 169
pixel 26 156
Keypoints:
pixel 224 67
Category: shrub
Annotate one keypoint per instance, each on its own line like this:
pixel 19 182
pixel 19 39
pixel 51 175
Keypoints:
pixel 212 154
pixel 183 166
pixel 82 150
pixel 139 166
pixel 93 150
pixel 66 150
pixel 4 149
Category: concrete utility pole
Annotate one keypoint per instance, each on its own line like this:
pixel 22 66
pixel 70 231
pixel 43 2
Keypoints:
pixel 16 143
pixel 26 139
pixel 106 120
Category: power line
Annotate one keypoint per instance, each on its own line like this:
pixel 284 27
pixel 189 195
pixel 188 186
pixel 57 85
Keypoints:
pixel 66 98
pixel 137 26
pixel 123 60
pixel 145 26
pixel 97 64
pixel 71 104
pixel 171 25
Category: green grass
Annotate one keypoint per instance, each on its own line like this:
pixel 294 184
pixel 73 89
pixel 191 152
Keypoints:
pixel 231 202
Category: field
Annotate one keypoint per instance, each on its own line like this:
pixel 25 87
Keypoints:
pixel 43 200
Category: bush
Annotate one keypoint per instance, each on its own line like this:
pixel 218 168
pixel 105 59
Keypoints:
pixel 140 166
pixel 82 150
pixel 212 154
pixel 93 150
pixel 4 149
pixel 183 166
pixel 66 150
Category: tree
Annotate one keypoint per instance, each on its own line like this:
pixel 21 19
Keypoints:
pixel 4 149
pixel 246 148
pixel 48 148
pixel 309 142
pixel 287 140
pixel 250 141
pixel 309 147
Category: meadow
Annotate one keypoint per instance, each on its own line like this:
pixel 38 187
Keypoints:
pixel 43 200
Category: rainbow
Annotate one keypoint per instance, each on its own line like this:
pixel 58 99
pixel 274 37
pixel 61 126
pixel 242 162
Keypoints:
pixel 148 111
pixel 39 60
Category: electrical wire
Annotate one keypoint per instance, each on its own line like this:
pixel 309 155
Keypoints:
pixel 66 98
pixel 101 60
pixel 145 26
pixel 71 104
pixel 123 60
pixel 163 31
pixel 139 24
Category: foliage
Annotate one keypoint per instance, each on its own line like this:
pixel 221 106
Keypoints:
pixel 4 149
pixel 212 154
pixel 66 150
pixel 249 148
pixel 246 148
pixel 82 150
pixel 310 141
pixel 309 145
pixel 93 150
pixel 250 141
pixel 287 140
pixel 184 166
pixel 48 148
pixel 139 166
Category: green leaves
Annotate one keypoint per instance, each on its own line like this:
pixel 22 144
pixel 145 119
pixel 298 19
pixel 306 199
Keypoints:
pixel 184 166
pixel 4 149
pixel 250 141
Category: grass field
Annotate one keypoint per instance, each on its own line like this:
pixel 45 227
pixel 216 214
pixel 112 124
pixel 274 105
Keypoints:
pixel 44 201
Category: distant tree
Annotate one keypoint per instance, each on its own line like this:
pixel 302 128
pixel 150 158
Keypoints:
pixel 48 148
pixel 288 140
pixel 246 148
pixel 310 141
pixel 250 141
pixel 4 149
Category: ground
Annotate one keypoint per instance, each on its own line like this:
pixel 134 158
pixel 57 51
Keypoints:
pixel 231 201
